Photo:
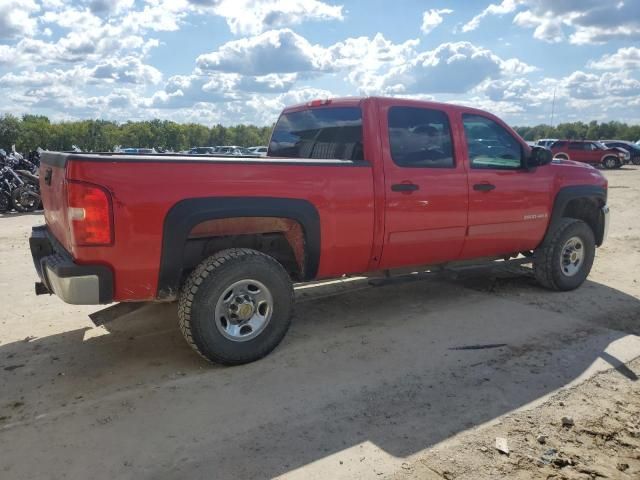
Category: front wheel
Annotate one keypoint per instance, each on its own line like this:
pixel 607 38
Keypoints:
pixel 236 306
pixel 611 162
pixel 565 258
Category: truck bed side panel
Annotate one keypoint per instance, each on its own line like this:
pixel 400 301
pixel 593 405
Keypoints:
pixel 143 193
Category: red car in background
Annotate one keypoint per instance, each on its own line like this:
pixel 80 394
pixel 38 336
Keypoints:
pixel 586 151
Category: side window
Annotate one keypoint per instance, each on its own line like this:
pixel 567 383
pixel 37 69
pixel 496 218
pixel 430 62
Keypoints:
pixel 420 137
pixel 576 146
pixel 490 145
pixel 332 133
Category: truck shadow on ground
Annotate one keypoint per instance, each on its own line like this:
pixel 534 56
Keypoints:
pixel 402 367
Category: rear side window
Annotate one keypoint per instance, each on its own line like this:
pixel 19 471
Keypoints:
pixel 559 145
pixel 490 145
pixel 320 133
pixel 576 146
pixel 420 137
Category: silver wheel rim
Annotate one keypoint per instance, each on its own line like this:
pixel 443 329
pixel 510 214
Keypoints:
pixel 572 256
pixel 243 310
pixel 610 162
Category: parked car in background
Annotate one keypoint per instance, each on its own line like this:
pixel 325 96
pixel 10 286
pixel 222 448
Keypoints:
pixel 262 151
pixel 202 150
pixel 229 150
pixel 137 151
pixel 236 151
pixel 587 151
pixel 546 142
pixel 632 148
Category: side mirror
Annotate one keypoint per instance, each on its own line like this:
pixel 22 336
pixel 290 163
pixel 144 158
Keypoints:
pixel 539 156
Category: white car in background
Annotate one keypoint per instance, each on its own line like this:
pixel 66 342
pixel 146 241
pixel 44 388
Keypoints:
pixel 262 151
pixel 546 142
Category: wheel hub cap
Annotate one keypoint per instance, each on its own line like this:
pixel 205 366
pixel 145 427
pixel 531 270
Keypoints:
pixel 243 310
pixel 572 256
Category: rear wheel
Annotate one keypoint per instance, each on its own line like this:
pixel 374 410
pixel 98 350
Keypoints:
pixel 5 201
pixel 25 198
pixel 565 259
pixel 611 162
pixel 236 306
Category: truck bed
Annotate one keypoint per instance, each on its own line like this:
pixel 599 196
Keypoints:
pixel 144 188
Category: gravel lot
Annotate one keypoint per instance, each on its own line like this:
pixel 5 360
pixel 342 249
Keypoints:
pixel 369 383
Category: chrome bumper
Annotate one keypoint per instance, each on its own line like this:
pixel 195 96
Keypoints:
pixel 606 217
pixel 60 275
pixel 80 290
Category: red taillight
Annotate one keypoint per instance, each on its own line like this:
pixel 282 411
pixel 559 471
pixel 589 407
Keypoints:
pixel 89 213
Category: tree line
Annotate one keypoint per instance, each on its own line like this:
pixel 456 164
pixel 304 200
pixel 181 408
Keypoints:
pixel 32 131
pixel 29 132
pixel 582 131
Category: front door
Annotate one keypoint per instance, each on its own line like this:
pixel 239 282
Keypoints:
pixel 426 196
pixel 509 206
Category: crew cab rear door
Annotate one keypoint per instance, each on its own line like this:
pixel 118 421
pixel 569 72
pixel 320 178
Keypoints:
pixel 426 197
pixel 509 205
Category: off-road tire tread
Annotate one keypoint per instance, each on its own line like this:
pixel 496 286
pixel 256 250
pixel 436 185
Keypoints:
pixel 192 284
pixel 543 256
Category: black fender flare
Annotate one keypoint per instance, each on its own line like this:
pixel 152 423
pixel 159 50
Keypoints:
pixel 186 214
pixel 573 192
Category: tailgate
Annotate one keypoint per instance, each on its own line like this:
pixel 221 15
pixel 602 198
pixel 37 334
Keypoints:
pixel 53 187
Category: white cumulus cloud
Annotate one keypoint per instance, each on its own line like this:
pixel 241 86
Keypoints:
pixel 17 18
pixel 256 16
pixel 275 51
pixel 432 18
pixel 624 59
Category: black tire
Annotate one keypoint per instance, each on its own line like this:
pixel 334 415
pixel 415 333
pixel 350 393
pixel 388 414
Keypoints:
pixel 547 260
pixel 204 289
pixel 25 199
pixel 611 162
pixel 635 160
pixel 5 202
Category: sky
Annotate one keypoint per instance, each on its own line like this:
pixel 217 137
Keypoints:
pixel 242 61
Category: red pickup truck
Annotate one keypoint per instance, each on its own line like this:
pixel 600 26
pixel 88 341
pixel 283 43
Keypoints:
pixel 349 186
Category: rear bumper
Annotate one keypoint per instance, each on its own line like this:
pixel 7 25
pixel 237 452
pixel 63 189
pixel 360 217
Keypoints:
pixel 60 275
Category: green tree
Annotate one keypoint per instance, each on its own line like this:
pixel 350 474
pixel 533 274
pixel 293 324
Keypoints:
pixel 10 127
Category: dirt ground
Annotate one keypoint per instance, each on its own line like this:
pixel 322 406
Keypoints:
pixel 371 382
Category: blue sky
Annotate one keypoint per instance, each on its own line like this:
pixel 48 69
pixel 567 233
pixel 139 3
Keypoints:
pixel 241 61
